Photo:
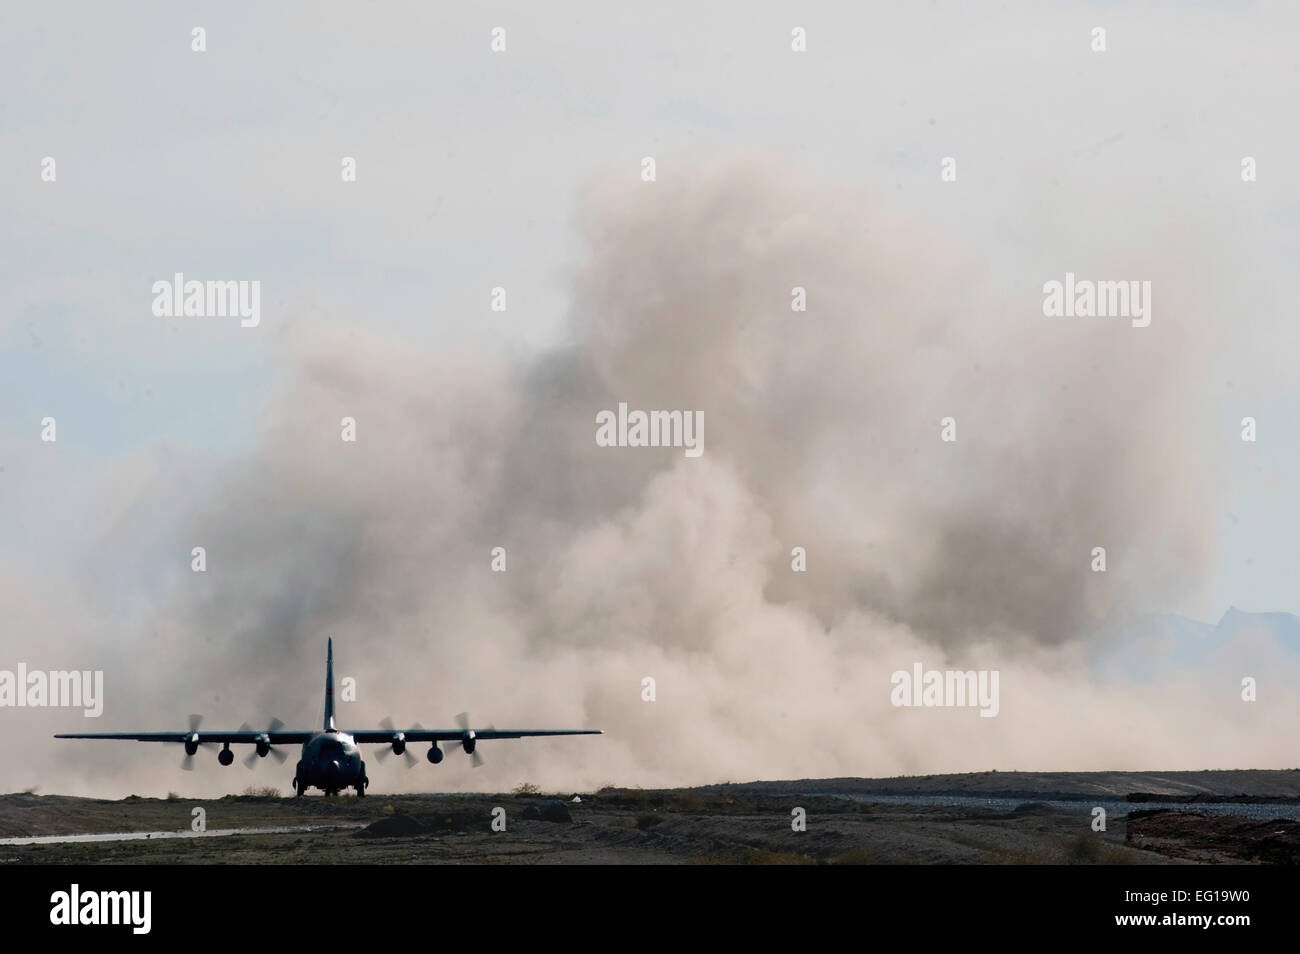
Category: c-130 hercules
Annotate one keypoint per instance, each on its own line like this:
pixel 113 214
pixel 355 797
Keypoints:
pixel 330 759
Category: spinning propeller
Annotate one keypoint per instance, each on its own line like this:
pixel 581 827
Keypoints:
pixel 264 747
pixel 398 745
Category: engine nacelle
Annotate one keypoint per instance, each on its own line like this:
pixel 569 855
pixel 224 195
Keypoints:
pixel 263 749
pixel 468 744
pixel 435 755
pixel 191 746
pixel 399 746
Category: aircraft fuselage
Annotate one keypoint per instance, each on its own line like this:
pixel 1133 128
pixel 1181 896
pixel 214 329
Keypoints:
pixel 331 762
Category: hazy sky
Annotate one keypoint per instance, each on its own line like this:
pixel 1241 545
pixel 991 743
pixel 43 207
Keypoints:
pixel 523 169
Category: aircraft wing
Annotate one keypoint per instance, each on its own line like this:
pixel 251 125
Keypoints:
pixel 252 736
pixel 457 735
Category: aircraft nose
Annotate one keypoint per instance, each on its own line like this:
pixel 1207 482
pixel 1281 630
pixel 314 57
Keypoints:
pixel 334 767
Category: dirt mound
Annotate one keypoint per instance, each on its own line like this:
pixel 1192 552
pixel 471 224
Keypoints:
pixel 550 811
pixel 1198 837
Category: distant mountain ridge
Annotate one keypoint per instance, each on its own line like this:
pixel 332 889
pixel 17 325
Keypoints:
pixel 1166 641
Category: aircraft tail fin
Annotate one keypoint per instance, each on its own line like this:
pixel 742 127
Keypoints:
pixel 329 687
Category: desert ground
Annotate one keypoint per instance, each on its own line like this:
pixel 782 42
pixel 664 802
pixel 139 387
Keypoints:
pixel 1029 818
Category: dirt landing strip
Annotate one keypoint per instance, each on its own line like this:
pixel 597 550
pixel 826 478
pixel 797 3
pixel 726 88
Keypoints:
pixel 744 824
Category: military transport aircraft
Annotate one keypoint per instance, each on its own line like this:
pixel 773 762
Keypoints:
pixel 330 758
